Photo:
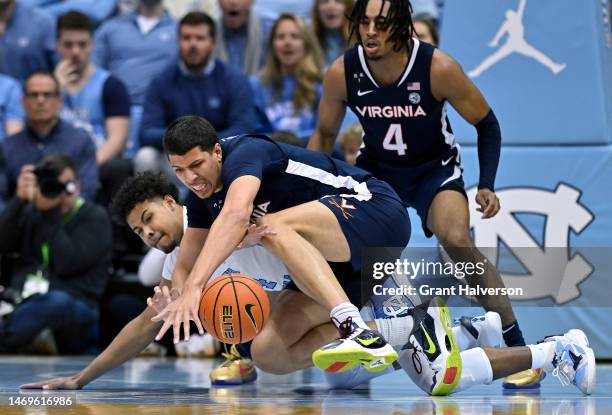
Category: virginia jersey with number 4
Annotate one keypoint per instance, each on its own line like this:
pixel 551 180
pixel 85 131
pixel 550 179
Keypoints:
pixel 403 123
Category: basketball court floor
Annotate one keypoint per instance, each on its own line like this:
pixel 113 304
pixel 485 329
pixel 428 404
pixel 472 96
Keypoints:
pixel 181 386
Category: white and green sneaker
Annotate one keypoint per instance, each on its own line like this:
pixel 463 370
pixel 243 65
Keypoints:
pixel 357 346
pixel 431 356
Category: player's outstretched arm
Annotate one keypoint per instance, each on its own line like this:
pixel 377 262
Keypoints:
pixel 332 108
pixel 191 246
pixel 130 341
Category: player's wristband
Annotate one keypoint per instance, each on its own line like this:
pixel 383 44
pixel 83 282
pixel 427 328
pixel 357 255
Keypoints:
pixel 489 147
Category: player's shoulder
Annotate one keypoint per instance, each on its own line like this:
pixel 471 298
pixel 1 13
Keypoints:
pixel 337 67
pixel 445 70
pixel 246 146
pixel 443 63
pixel 334 83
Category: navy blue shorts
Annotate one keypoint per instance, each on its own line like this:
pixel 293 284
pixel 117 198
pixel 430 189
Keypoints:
pixel 375 217
pixel 418 185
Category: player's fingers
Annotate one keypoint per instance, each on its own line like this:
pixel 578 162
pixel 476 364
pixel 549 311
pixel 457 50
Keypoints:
pixel 176 329
pixel 34 385
pixel 496 207
pixel 186 327
pixel 174 294
pixel 166 293
pixel 490 209
pixel 162 315
pixel 163 330
pixel 198 323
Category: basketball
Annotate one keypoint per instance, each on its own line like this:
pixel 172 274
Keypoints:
pixel 234 308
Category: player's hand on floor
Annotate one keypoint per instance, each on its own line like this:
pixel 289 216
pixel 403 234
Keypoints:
pixel 57 383
pixel 254 235
pixel 162 296
pixel 488 202
pixel 181 311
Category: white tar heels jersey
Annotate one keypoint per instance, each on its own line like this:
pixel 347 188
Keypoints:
pixel 255 261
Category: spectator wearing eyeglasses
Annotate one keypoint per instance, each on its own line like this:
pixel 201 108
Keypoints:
pixel 45 134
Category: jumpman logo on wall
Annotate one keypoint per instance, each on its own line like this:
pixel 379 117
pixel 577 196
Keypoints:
pixel 515 43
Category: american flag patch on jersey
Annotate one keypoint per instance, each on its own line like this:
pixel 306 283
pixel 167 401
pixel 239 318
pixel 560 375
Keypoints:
pixel 414 86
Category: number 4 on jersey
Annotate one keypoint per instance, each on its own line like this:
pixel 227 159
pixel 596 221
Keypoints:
pixel 394 140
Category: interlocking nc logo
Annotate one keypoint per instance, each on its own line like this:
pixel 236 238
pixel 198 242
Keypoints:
pixel 553 272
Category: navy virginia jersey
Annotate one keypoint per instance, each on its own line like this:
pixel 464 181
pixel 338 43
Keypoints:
pixel 289 176
pixel 403 123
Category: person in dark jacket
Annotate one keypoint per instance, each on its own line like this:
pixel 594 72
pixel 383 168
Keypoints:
pixel 64 247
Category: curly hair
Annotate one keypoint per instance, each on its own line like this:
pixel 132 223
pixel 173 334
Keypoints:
pixel 309 71
pixel 399 22
pixel 140 188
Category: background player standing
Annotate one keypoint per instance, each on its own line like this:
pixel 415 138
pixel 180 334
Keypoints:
pixel 399 88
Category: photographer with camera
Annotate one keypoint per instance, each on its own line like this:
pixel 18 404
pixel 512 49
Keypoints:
pixel 45 134
pixel 64 245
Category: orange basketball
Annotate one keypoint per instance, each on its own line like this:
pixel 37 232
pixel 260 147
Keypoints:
pixel 234 308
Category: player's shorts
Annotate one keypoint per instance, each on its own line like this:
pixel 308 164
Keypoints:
pixel 418 185
pixel 374 217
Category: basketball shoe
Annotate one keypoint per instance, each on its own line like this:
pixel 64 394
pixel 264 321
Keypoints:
pixel 482 331
pixel 572 361
pixel 432 350
pixel 356 346
pixel 236 370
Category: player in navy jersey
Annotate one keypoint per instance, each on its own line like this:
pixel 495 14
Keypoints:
pixel 321 209
pixel 399 88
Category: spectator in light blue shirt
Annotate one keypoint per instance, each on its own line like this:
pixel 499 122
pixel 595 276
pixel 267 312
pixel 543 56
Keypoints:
pixel 242 36
pixel 136 48
pixel 97 10
pixel 11 111
pixel 27 43
pixel 288 90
